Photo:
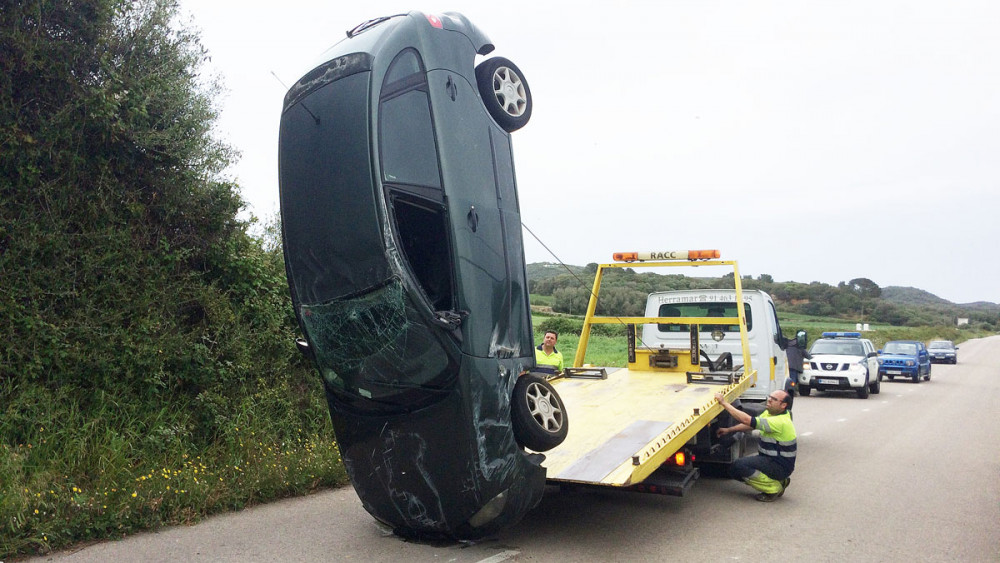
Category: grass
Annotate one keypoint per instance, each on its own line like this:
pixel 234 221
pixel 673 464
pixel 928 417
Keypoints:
pixel 78 476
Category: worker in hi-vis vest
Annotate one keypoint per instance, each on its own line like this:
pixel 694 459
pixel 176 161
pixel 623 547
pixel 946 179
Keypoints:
pixel 769 470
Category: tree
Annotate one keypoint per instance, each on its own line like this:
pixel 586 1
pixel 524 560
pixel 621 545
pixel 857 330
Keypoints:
pixel 864 288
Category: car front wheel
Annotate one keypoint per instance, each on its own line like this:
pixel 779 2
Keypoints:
pixel 804 390
pixel 863 390
pixel 505 92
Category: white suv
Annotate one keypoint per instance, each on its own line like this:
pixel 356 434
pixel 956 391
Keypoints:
pixel 841 360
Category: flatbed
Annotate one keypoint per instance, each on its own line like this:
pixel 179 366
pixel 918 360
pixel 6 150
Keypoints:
pixel 627 424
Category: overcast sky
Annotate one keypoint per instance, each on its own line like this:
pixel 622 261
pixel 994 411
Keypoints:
pixel 809 140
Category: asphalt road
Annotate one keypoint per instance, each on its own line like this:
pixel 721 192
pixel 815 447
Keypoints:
pixel 911 474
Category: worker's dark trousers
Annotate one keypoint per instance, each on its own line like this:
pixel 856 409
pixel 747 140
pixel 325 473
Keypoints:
pixel 760 472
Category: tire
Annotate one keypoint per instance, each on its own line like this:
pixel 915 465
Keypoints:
pixel 916 376
pixel 804 390
pixel 505 93
pixel 537 414
pixel 892 378
pixel 876 387
pixel 863 390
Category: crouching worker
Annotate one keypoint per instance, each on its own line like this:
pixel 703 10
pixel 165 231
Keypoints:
pixel 769 471
pixel 547 358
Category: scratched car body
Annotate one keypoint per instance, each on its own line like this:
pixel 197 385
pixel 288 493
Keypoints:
pixel 402 239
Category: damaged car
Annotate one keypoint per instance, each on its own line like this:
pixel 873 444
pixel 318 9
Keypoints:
pixel 402 240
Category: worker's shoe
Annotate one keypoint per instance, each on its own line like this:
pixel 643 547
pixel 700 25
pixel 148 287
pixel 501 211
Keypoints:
pixel 767 497
pixel 784 485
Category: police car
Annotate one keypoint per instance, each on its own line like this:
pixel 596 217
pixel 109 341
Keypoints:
pixel 841 361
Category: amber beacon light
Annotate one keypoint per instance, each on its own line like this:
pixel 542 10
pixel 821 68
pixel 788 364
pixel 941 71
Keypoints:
pixel 666 255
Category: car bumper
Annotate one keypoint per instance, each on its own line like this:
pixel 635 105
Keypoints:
pixel 898 371
pixel 950 358
pixel 822 381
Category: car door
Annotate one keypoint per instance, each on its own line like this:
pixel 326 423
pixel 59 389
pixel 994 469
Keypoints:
pixel 923 358
pixel 871 360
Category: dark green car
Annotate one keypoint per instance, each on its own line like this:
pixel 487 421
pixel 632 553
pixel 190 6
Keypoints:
pixel 402 241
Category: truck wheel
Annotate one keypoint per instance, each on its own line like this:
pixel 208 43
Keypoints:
pixel 876 387
pixel 804 390
pixel 537 414
pixel 863 390
pixel 505 93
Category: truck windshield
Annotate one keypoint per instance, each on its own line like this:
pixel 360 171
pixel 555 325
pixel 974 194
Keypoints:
pixel 703 309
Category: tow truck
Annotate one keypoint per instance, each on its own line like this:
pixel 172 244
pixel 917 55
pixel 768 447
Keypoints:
pixel 642 428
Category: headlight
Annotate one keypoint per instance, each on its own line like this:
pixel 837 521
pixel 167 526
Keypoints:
pixel 910 362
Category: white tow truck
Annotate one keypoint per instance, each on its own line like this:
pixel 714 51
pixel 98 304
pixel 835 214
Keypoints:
pixel 643 427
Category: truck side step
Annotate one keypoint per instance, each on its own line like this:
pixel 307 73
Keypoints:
pixel 668 480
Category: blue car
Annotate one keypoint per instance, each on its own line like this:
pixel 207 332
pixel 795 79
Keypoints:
pixel 904 358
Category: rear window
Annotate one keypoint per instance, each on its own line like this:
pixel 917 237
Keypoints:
pixel 703 309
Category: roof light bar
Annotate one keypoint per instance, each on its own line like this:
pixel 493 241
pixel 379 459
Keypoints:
pixel 841 335
pixel 666 255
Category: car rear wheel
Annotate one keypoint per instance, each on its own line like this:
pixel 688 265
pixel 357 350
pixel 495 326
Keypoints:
pixel 505 93
pixel 538 414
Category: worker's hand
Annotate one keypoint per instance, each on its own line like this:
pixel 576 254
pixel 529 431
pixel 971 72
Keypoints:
pixel 720 397
pixel 723 431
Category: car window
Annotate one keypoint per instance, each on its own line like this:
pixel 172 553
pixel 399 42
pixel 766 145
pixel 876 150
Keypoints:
pixel 943 344
pixel 838 347
pixel 406 132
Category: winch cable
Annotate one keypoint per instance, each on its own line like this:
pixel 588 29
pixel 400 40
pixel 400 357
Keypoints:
pixel 578 280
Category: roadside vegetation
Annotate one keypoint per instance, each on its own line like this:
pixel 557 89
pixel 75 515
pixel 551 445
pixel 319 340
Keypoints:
pixel 148 374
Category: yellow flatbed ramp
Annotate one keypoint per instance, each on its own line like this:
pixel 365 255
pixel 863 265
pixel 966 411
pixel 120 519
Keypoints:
pixel 621 429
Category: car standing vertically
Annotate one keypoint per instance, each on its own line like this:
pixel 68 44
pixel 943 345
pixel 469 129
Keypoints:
pixel 402 239
pixel 943 351
pixel 904 358
pixel 841 361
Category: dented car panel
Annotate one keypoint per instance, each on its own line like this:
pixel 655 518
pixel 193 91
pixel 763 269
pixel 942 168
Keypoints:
pixel 402 241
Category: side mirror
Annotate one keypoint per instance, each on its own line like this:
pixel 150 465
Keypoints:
pixel 801 339
pixel 879 352
pixel 304 349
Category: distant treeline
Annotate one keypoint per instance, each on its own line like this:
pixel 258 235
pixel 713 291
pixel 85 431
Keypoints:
pixel 624 292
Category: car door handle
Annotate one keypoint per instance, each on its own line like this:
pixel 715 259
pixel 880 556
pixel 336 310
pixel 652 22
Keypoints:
pixel 473 218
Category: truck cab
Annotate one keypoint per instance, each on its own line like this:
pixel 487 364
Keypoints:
pixel 719 341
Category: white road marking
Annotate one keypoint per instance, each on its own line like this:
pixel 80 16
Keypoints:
pixel 807 433
pixel 841 420
pixel 502 556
